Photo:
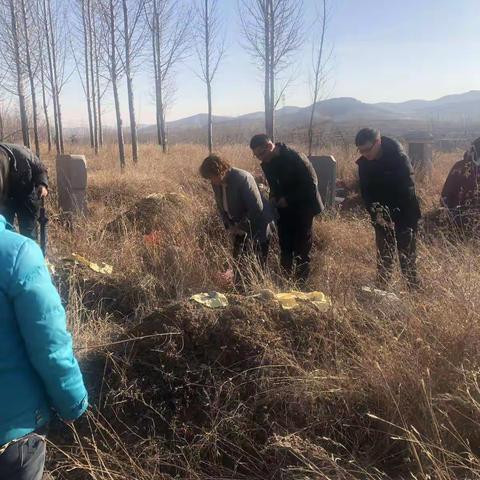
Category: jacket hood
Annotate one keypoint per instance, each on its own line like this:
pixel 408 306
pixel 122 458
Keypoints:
pixel 391 145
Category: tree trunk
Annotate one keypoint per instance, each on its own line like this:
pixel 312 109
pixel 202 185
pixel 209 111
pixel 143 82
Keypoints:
pixel 45 106
pixel 156 73
pixel 20 86
pixel 271 112
pixel 208 79
pixel 159 90
pixel 52 83
pixel 97 79
pixel 87 70
pixel 113 72
pixel 92 76
pixel 317 75
pixel 163 128
pixel 128 73
pixel 267 68
pixel 55 72
pixel 31 78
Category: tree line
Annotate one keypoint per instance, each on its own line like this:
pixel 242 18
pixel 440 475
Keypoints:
pixel 104 43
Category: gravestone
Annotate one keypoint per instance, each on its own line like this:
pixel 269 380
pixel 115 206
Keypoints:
pixel 420 151
pixel 325 167
pixel 72 184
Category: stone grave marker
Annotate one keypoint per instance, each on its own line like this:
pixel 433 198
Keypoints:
pixel 72 184
pixel 326 169
pixel 420 151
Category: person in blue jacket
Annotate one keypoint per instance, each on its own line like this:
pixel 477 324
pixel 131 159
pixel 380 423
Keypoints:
pixel 39 375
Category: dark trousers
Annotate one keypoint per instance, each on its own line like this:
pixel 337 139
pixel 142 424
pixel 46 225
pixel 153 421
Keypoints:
pixel 26 212
pixel 295 238
pixel 24 459
pixel 401 238
pixel 244 246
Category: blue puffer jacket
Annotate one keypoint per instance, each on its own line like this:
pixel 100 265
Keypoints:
pixel 38 371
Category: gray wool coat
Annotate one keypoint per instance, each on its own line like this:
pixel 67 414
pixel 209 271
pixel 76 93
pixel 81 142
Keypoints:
pixel 247 208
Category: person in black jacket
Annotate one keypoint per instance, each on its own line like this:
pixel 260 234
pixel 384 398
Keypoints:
pixel 27 185
pixel 294 192
pixel 387 185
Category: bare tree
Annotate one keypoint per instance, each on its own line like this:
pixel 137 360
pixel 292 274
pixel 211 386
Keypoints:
pixel 45 103
pixel 319 74
pixel 12 56
pixel 273 33
pixel 111 25
pixel 134 40
pixel 30 70
pixel 210 46
pixel 55 47
pixel 168 23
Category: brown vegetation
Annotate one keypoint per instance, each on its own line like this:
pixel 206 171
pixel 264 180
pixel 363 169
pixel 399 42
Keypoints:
pixel 370 389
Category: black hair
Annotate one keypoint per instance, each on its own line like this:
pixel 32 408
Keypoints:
pixel 259 140
pixel 366 135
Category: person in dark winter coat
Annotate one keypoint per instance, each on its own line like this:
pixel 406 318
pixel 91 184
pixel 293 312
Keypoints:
pixel 246 214
pixel 294 192
pixel 462 186
pixel 388 190
pixel 27 185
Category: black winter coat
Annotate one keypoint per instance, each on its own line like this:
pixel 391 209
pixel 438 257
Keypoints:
pixel 26 171
pixel 292 176
pixel 389 183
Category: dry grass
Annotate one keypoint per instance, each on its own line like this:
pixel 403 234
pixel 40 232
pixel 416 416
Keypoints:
pixel 369 390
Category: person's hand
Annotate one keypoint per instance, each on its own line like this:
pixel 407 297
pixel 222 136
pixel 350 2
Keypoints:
pixel 42 191
pixel 282 203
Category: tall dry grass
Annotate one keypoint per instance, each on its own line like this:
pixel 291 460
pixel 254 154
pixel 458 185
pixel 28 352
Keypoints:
pixel 370 390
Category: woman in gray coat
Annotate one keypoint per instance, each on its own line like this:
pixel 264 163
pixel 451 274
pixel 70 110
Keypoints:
pixel 246 214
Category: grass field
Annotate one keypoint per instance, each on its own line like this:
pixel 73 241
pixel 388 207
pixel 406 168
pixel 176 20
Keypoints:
pixel 370 389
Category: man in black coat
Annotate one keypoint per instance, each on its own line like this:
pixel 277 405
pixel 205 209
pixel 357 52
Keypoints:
pixel 294 192
pixel 27 185
pixel 388 189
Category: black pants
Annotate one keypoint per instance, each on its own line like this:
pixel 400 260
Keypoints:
pixel 26 210
pixel 401 238
pixel 244 246
pixel 24 459
pixel 295 238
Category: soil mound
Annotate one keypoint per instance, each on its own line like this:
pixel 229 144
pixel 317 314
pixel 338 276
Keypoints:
pixel 149 214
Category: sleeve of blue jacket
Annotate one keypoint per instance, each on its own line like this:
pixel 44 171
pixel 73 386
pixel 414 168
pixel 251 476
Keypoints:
pixel 42 322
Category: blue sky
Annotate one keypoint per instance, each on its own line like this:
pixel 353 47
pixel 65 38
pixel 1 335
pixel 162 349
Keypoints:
pixel 383 50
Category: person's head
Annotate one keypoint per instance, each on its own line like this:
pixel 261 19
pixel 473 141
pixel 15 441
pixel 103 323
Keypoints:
pixel 262 147
pixel 214 168
pixel 369 143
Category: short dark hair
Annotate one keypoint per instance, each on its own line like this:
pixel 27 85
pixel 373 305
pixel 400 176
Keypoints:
pixel 259 140
pixel 213 166
pixel 366 135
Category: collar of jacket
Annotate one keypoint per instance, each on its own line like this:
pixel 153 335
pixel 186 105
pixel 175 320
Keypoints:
pixel 3 223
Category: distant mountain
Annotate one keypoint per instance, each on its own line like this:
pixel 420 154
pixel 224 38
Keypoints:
pixel 448 108
pixel 461 109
